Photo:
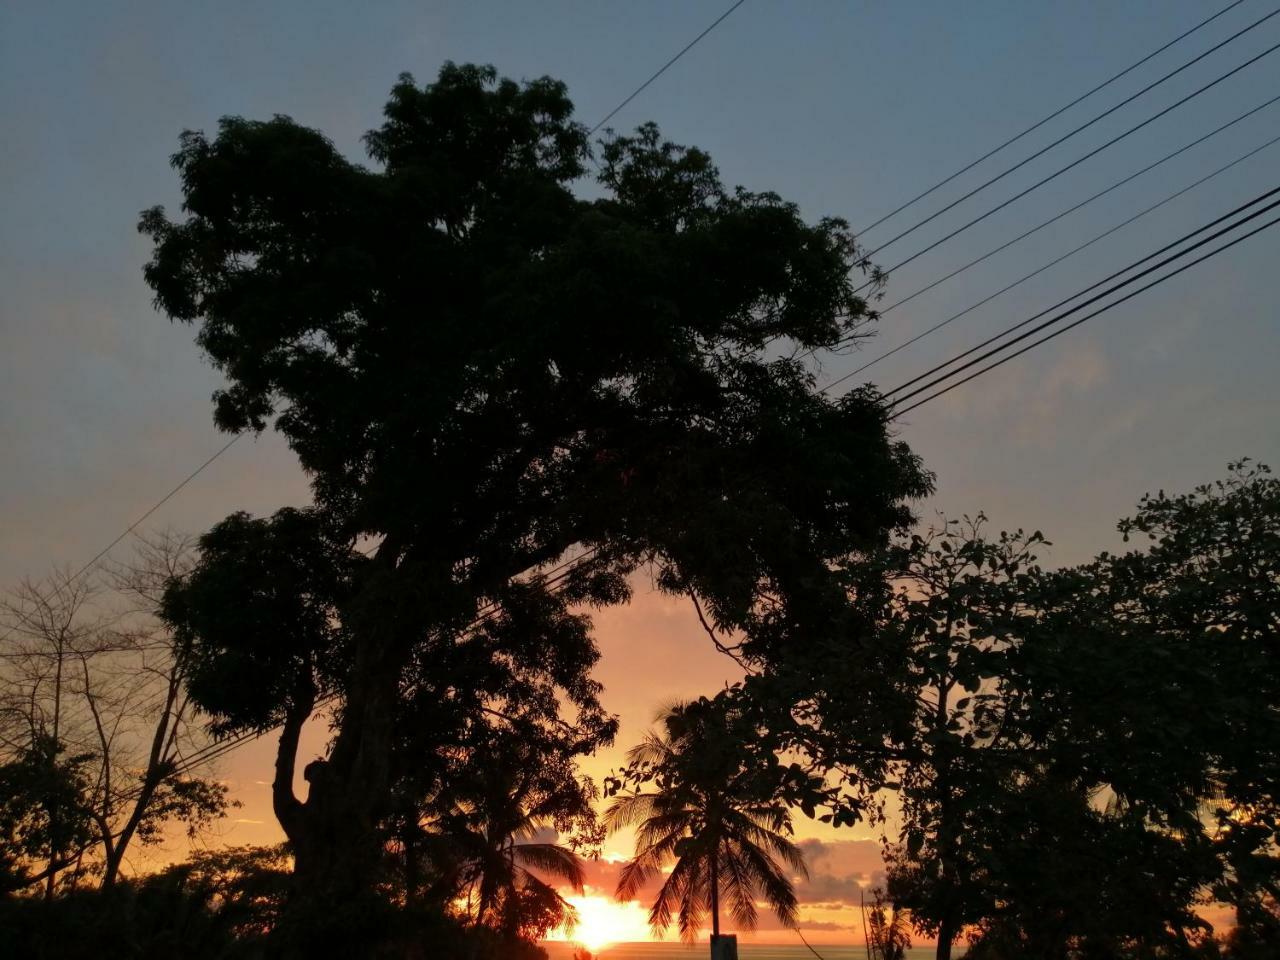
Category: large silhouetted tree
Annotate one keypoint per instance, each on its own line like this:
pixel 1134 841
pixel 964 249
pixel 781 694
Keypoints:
pixel 482 372
pixel 708 823
pixel 954 610
pixel 1192 618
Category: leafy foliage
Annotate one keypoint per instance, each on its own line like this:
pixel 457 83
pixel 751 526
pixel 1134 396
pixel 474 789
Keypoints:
pixel 45 818
pixel 885 928
pixel 1135 695
pixel 955 611
pixel 483 372
pixel 256 617
pixel 481 842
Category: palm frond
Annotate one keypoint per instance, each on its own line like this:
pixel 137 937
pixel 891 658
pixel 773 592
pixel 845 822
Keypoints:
pixel 652 748
pixel 737 888
pixel 695 903
pixel 775 887
pixel 553 859
pixel 748 831
pixel 629 809
pixel 676 889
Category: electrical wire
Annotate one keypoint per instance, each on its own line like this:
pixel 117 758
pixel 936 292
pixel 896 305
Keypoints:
pixel 1091 300
pixel 1083 203
pixel 156 506
pixel 223 746
pixel 1053 116
pixel 566 567
pixel 1052 263
pixel 1075 163
pixel 666 66
pixel 1084 126
pixel 1076 323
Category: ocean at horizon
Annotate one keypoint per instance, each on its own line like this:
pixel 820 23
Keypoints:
pixel 746 951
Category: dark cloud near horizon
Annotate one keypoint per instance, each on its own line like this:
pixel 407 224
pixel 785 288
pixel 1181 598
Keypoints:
pixel 840 873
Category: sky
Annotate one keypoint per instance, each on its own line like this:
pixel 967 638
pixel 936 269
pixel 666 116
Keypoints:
pixel 847 108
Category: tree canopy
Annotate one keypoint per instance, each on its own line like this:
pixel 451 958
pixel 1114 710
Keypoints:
pixel 1109 768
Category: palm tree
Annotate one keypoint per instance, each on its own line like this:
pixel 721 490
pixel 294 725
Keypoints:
pixel 488 848
pixel 727 847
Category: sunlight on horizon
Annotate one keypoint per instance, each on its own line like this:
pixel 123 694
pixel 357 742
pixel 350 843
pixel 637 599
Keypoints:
pixel 603 921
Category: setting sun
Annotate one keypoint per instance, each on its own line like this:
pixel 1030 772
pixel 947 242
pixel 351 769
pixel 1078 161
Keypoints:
pixel 603 921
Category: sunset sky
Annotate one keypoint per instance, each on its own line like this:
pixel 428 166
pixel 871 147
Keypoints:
pixel 848 108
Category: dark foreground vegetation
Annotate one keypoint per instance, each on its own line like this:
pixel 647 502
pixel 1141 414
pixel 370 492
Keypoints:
pixel 510 401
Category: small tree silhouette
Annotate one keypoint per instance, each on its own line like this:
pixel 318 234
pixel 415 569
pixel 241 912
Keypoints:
pixel 498 862
pixel 727 840
pixel 885 929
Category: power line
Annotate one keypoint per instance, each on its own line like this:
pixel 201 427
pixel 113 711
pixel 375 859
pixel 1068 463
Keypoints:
pixel 1083 203
pixel 1052 263
pixel 223 747
pixel 555 576
pixel 1091 300
pixel 142 519
pixel 1057 113
pixel 158 504
pixel 566 568
pixel 1075 163
pixel 1076 323
pixel 1084 126
pixel 666 66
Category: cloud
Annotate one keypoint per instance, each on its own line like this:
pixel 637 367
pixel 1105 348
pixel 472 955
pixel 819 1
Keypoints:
pixel 1074 375
pixel 840 872
pixel 543 835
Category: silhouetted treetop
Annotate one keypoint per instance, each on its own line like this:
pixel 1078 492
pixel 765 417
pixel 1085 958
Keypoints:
pixel 457 332
pixel 483 371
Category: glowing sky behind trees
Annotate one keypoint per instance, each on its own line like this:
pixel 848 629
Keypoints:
pixel 847 107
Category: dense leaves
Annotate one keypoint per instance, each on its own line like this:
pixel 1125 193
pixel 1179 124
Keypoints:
pixel 46 820
pixel 488 840
pixel 257 617
pixel 1125 721
pixel 482 372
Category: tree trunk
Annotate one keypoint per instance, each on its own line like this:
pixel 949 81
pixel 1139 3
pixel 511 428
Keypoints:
pixel 946 833
pixel 333 905
pixel 946 934
pixel 51 881
pixel 156 770
pixel 715 890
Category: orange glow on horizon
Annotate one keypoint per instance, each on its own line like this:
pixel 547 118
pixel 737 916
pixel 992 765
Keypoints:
pixel 603 921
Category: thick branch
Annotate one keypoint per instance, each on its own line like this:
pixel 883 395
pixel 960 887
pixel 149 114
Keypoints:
pixel 287 806
pixel 727 651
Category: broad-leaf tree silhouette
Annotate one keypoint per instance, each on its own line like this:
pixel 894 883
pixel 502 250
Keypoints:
pixel 482 372
pixel 1120 714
